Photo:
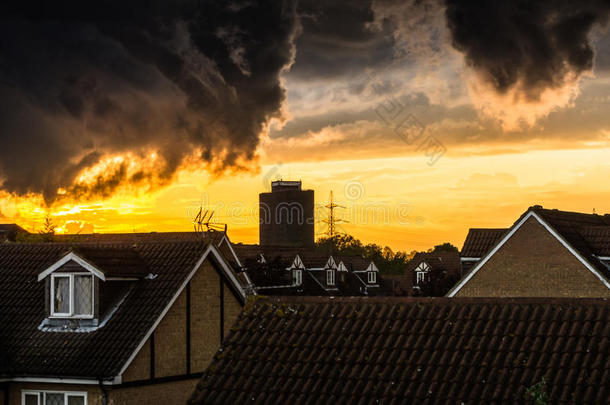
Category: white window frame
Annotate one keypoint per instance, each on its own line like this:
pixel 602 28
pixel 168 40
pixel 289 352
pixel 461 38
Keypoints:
pixel 330 277
pixel 420 273
pixel 71 294
pixel 42 395
pixel 372 277
pixel 297 276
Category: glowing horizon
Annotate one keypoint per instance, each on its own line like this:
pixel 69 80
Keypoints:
pixel 421 125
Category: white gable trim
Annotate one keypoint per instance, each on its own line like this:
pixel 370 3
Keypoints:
pixel 58 380
pixel 297 263
pixel 552 231
pixel 330 263
pixel 423 266
pixel 75 258
pixel 341 267
pixel 225 239
pixel 211 249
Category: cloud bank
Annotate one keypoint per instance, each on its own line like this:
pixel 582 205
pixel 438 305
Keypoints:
pixel 527 56
pixel 97 95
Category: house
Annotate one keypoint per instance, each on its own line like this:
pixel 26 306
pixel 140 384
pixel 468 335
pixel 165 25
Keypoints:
pixel 9 232
pixel 114 319
pixel 433 273
pixel 300 271
pixel 546 253
pixel 356 350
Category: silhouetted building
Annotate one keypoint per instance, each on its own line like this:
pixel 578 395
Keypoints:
pixel 286 215
pixel 9 232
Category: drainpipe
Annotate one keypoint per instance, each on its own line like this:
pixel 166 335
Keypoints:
pixel 104 393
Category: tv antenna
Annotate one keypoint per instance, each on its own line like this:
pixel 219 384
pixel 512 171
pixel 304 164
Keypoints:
pixel 204 226
pixel 332 220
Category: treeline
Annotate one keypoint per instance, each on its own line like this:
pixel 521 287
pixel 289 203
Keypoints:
pixel 388 261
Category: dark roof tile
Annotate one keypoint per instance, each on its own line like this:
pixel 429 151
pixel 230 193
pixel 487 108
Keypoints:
pixel 454 350
pixel 479 241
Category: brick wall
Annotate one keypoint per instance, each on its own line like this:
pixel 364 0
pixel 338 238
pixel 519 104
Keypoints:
pixel 232 309
pixel 533 263
pixel 170 340
pixel 205 317
pixel 139 369
pixel 177 392
pixel 170 335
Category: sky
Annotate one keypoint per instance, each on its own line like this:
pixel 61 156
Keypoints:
pixel 424 118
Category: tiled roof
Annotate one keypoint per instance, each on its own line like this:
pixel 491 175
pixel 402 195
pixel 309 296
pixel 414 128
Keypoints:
pixel 285 255
pixel 314 281
pixel 598 238
pixel 353 263
pixel 587 233
pixel 579 229
pixel 136 237
pixel 114 261
pixel 480 240
pixel 29 351
pixel 429 350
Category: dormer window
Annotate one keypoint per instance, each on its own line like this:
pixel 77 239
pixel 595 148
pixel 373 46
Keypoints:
pixel 371 273
pixel 72 295
pixel 297 276
pixel 422 273
pixel 330 277
pixel 85 288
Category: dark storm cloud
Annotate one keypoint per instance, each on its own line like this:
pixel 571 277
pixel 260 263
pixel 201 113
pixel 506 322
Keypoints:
pixel 534 43
pixel 340 37
pixel 81 81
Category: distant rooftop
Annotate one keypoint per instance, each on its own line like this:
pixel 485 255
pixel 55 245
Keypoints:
pixel 281 185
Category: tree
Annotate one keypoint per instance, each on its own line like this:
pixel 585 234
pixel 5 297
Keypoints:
pixel 47 234
pixel 388 261
pixel 48 230
pixel 445 247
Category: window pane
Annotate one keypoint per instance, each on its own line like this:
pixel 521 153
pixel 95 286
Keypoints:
pixel 83 302
pixel 76 400
pixel 54 399
pixel 31 399
pixel 61 295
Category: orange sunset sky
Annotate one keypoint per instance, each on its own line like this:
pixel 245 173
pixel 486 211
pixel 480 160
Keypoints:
pixel 344 93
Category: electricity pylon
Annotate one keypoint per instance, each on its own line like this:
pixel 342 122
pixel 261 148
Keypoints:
pixel 332 220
